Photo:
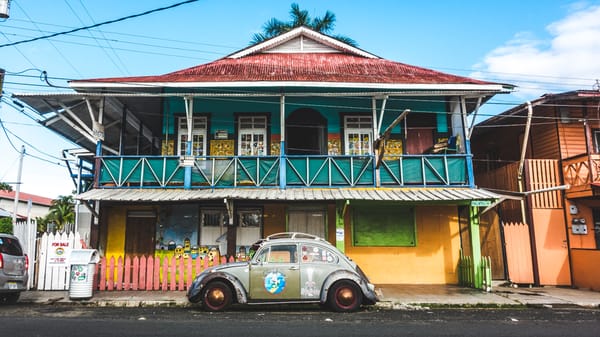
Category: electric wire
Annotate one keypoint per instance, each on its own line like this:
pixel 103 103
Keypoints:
pixel 98 24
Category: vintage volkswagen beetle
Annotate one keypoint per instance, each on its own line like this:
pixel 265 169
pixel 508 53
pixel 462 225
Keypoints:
pixel 286 268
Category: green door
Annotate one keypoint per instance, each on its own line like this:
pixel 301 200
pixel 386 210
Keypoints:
pixel 276 276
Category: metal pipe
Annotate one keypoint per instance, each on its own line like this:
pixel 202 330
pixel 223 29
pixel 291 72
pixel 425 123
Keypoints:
pixel 522 159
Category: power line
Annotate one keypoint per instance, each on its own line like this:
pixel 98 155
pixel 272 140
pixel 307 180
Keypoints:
pixel 98 24
pixel 51 43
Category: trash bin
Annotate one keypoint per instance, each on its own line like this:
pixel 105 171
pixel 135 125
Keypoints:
pixel 83 267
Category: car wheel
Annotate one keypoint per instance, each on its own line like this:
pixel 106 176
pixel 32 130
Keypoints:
pixel 10 298
pixel 217 296
pixel 344 296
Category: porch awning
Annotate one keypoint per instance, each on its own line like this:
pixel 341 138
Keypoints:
pixel 410 195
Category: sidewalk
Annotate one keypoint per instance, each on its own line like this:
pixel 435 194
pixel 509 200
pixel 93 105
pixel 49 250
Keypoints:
pixel 398 297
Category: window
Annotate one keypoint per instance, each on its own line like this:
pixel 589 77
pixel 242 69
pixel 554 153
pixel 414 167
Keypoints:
pixel 596 140
pixel 213 226
pixel 198 136
pixel 278 254
pixel 381 226
pixel 316 254
pixel 252 136
pixel 358 135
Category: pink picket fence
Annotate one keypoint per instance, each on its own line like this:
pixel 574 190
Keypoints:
pixel 150 273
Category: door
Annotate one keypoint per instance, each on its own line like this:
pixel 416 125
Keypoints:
pixel 276 276
pixel 418 140
pixel 306 133
pixel 139 235
pixel 307 221
pixel 551 247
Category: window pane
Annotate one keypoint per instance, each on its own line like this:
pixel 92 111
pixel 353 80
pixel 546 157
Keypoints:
pixel 384 226
pixel 315 254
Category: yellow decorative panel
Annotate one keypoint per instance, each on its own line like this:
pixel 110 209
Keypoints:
pixel 334 145
pixel 167 147
pixel 222 147
pixel 393 148
pixel 275 145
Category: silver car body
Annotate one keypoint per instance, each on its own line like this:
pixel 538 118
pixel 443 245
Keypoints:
pixel 287 268
pixel 13 268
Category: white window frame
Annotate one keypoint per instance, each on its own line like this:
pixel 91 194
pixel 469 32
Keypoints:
pixel 258 128
pixel 199 128
pixel 362 127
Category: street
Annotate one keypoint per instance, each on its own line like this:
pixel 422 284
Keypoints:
pixel 66 320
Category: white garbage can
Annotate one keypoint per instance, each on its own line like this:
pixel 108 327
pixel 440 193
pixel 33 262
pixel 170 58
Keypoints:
pixel 83 267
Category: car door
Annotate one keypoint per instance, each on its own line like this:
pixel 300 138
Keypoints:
pixel 275 273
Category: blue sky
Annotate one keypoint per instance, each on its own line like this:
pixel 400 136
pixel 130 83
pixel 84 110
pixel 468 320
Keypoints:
pixel 541 46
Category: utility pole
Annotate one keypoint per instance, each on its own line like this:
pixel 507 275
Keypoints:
pixel 18 187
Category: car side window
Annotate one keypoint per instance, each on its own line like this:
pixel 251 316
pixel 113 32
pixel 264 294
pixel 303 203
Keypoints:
pixel 317 254
pixel 278 254
pixel 10 246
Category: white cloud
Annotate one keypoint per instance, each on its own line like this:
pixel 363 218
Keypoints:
pixel 569 60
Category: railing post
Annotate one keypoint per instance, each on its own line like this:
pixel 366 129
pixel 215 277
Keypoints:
pixel 469 159
pixel 475 246
pixel 282 161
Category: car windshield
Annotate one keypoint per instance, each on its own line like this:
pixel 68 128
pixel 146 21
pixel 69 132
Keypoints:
pixel 10 246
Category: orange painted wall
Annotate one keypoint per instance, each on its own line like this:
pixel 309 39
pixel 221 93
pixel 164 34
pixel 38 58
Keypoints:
pixel 586 274
pixel 433 260
pixel 581 240
pixel 551 246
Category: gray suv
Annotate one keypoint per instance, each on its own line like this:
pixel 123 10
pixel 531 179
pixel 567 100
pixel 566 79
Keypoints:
pixel 13 269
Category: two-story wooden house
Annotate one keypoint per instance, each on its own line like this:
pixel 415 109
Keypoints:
pixel 547 151
pixel 299 133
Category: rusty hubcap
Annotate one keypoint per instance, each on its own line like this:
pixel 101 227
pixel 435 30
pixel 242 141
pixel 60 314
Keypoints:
pixel 345 296
pixel 216 297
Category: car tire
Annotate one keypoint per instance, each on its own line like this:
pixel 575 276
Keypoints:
pixel 10 298
pixel 217 296
pixel 344 296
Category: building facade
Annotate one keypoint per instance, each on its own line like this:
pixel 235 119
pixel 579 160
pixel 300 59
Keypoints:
pixel 299 133
pixel 546 152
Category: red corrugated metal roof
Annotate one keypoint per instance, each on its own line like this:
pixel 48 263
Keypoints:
pixel 36 199
pixel 303 67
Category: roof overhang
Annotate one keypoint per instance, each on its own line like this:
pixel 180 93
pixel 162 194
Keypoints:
pixel 451 87
pixel 404 195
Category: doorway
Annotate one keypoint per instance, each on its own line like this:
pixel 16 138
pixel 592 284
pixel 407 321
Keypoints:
pixel 139 233
pixel 308 221
pixel 306 133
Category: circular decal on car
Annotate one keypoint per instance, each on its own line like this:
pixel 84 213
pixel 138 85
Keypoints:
pixel 275 282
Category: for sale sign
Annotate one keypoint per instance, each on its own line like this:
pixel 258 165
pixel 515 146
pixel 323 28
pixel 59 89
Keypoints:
pixel 58 253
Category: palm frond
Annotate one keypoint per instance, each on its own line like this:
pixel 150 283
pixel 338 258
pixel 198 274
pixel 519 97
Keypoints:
pixel 345 40
pixel 324 24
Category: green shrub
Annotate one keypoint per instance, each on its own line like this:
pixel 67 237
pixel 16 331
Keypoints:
pixel 6 225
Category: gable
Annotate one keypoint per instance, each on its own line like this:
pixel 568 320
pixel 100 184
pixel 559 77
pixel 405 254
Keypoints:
pixel 301 44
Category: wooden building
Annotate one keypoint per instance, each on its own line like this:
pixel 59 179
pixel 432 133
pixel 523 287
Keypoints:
pixel 548 152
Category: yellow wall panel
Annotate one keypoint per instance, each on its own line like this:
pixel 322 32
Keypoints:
pixel 433 260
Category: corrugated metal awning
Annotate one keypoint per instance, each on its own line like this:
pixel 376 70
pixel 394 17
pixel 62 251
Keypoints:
pixel 412 195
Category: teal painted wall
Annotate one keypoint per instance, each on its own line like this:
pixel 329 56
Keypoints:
pixel 222 110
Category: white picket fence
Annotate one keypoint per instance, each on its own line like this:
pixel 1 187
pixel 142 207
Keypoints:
pixel 53 260
pixel 26 231
pixel 48 255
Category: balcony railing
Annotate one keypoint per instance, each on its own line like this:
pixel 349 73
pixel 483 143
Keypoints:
pixel 581 172
pixel 265 171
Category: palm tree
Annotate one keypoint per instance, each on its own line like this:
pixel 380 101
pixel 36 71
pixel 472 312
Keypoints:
pixel 62 211
pixel 300 18
pixel 5 187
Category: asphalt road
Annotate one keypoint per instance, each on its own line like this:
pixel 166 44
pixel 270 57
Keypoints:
pixel 81 321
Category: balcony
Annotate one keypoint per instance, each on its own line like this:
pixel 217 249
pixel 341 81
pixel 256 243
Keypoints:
pixel 581 173
pixel 266 171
